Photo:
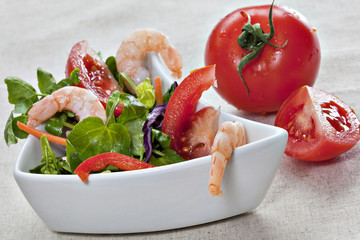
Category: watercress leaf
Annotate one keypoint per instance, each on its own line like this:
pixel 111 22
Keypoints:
pixel 46 81
pixel 169 156
pixel 100 55
pixel 146 93
pixel 91 137
pixel 56 124
pixel 125 80
pixel 111 63
pixel 23 105
pixel 73 157
pixel 18 90
pixel 132 109
pixel 111 105
pixel 161 138
pixel 64 165
pixel 74 76
pixel 135 129
pixel 169 92
pixel 37 169
pixel 51 165
pixel 63 83
pixel 9 134
pixel 17 131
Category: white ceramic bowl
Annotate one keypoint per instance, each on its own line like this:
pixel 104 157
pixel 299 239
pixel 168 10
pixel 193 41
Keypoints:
pixel 161 198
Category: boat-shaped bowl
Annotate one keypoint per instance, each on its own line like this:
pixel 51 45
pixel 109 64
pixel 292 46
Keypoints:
pixel 161 198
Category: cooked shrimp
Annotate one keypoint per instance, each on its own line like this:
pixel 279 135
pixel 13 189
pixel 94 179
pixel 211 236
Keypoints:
pixel 132 50
pixel 230 135
pixel 78 100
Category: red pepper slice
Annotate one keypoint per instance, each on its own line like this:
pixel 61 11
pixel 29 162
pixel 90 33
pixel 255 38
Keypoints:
pixel 99 162
pixel 183 102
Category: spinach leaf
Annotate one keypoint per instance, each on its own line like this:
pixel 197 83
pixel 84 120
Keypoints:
pixel 132 109
pixel 91 137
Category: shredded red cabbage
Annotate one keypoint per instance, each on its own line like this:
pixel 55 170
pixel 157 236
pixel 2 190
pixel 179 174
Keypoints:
pixel 154 119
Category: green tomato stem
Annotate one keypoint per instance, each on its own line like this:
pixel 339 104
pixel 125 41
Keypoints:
pixel 254 39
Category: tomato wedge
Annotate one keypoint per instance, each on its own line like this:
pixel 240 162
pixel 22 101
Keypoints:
pixel 320 125
pixel 94 74
pixel 183 102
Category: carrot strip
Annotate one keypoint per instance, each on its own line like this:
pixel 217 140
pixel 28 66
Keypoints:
pixel 38 133
pixel 99 162
pixel 158 91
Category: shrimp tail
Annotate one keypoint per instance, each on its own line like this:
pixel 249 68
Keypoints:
pixel 230 135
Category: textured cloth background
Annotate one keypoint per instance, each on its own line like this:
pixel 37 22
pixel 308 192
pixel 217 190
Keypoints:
pixel 305 201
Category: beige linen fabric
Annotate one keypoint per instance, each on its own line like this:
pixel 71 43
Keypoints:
pixel 305 201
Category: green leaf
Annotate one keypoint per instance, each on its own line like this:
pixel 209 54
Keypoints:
pixel 63 83
pixel 100 55
pixel 18 90
pixel 168 93
pixel 137 136
pixel 132 109
pixel 73 157
pixel 23 105
pixel 161 138
pixel 53 165
pixel 74 76
pixel 123 77
pixel 9 134
pixel 17 131
pixel 111 63
pixel 56 124
pixel 146 93
pixel 111 105
pixel 91 137
pixel 46 81
pixel 169 157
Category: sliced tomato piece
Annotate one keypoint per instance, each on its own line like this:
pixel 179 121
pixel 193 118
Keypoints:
pixel 183 102
pixel 94 74
pixel 320 125
pixel 200 132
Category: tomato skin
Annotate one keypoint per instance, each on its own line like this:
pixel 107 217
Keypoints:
pixel 276 72
pixel 320 126
pixel 94 73
pixel 183 102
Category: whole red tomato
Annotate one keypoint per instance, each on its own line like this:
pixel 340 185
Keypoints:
pixel 275 72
